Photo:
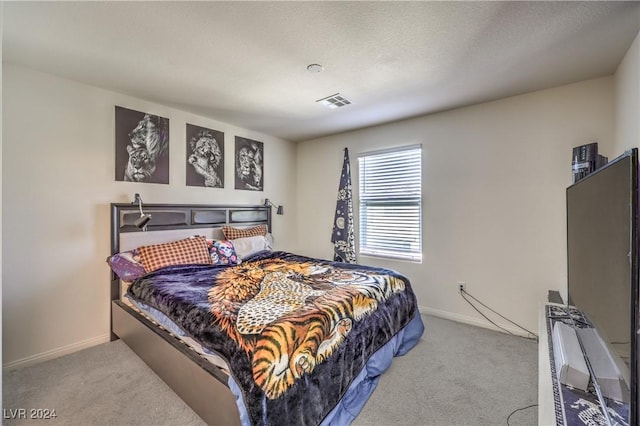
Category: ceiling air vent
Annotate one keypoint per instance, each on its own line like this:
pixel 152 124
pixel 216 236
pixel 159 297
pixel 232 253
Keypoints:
pixel 334 101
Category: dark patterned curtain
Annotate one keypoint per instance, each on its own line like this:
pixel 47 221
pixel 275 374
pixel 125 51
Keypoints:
pixel 344 249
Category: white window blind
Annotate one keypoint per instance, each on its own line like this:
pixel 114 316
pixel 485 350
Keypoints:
pixel 391 203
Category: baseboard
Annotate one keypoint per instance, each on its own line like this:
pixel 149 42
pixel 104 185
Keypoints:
pixel 472 321
pixel 55 353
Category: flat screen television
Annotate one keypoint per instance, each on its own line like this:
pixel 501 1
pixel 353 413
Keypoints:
pixel 602 260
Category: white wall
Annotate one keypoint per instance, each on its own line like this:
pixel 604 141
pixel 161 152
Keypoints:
pixel 58 180
pixel 494 179
pixel 627 105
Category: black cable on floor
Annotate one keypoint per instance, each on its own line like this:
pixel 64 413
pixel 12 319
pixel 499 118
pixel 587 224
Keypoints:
pixel 463 292
pixel 485 317
pixel 519 409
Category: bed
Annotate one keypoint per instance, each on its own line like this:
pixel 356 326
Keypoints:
pixel 279 337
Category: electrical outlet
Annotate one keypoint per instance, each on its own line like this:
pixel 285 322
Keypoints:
pixel 462 286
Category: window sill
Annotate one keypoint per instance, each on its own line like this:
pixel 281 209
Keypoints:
pixel 390 258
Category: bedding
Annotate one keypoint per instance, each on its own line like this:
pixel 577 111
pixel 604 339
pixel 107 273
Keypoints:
pixel 247 246
pixel 233 233
pixel 192 250
pixel 223 252
pixel 126 265
pixel 296 332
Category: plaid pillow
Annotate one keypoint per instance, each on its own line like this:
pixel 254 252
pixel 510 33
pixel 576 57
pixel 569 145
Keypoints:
pixel 188 251
pixel 231 233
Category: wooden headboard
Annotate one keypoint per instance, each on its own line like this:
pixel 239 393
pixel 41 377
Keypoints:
pixel 171 222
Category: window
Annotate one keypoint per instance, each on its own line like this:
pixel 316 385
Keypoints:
pixel 391 203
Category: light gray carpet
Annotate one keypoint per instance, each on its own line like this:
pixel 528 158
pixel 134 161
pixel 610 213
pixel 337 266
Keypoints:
pixel 457 375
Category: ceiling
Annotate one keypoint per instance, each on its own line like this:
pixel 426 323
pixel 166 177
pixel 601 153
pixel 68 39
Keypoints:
pixel 245 63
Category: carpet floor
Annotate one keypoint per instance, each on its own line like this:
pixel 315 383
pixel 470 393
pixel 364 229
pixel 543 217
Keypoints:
pixel 456 375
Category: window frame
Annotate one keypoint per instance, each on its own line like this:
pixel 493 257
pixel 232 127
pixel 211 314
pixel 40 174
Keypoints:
pixel 412 201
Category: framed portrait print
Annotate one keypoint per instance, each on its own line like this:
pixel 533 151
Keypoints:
pixel 142 147
pixel 249 159
pixel 205 157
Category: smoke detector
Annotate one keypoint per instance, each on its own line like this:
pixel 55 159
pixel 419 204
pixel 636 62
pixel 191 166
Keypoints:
pixel 315 68
pixel 334 101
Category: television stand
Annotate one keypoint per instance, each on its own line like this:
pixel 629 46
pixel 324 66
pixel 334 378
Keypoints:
pixel 562 405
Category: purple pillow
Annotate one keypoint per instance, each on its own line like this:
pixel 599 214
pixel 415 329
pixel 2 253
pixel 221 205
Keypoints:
pixel 126 265
pixel 222 252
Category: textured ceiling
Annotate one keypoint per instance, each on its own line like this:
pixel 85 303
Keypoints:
pixel 244 63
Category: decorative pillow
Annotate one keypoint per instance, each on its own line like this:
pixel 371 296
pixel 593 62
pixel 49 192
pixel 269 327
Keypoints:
pixel 222 252
pixel 231 233
pixel 269 241
pixel 126 265
pixel 250 245
pixel 191 250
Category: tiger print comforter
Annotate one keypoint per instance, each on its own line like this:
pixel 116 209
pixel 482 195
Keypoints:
pixel 295 331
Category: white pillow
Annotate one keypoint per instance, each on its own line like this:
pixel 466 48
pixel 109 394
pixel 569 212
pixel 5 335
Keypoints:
pixel 247 246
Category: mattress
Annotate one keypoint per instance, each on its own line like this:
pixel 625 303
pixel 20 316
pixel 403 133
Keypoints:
pixel 161 320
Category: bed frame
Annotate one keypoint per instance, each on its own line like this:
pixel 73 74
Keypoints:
pixel 199 383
